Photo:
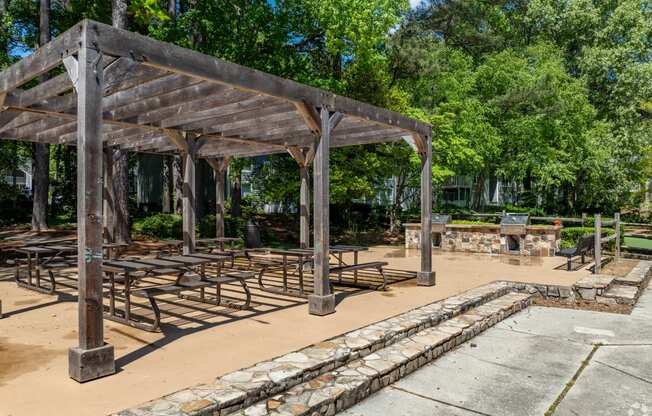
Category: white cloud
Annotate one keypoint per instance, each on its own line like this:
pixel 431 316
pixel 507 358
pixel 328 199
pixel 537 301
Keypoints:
pixel 414 3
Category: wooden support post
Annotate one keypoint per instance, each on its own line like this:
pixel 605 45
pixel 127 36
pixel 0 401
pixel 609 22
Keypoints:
pixel 220 187
pixel 92 358
pixel 618 236
pixel 583 219
pixel 426 277
pixel 189 166
pixel 304 207
pixel 109 196
pixel 597 250
pixel 219 166
pixel 322 301
pixel 301 157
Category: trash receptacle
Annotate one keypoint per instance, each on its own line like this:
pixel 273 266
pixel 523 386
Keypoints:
pixel 252 235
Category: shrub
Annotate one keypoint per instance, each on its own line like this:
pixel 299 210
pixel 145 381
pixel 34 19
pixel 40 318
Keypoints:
pixel 233 227
pixel 161 226
pixel 472 222
pixel 570 235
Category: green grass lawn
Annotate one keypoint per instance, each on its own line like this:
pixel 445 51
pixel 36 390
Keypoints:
pixel 638 242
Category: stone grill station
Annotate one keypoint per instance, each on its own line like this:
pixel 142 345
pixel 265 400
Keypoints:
pixel 514 235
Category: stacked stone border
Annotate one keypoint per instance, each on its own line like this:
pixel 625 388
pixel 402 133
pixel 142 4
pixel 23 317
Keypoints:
pixel 343 370
pixel 244 387
pixel 342 388
pixel 603 289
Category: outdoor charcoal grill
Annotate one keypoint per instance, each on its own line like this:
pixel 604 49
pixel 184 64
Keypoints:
pixel 439 223
pixel 514 224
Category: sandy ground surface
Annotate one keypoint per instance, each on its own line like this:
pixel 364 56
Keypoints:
pixel 199 343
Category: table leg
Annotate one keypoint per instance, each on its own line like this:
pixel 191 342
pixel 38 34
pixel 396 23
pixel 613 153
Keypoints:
pixel 301 275
pixel 355 272
pixel 112 293
pixel 285 272
pixel 127 296
pixel 29 268
pixel 38 271
pixel 202 277
pixel 339 263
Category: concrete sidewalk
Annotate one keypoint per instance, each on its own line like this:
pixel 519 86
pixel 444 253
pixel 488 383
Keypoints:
pixel 562 361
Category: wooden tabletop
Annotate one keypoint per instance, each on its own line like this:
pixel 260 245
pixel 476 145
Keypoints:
pixel 187 260
pixel 218 240
pixel 213 257
pixel 36 250
pixel 126 265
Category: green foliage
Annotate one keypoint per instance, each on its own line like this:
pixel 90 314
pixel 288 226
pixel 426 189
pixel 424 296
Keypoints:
pixel 146 12
pixel 163 226
pixel 571 235
pixel 233 227
pixel 553 95
pixel 473 222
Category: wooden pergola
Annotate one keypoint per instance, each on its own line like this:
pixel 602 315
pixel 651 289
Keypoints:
pixel 125 90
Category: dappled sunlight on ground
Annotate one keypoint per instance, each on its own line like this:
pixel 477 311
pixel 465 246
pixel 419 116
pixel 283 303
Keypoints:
pixel 201 341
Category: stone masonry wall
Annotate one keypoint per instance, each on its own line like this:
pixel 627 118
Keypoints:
pixel 539 241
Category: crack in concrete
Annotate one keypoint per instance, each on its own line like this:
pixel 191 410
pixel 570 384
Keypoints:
pixel 477 412
pixel 553 407
pixel 634 376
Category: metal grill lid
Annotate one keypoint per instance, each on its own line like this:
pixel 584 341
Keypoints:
pixel 441 219
pixel 515 219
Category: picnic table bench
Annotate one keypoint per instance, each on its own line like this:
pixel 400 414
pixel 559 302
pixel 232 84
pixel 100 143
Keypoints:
pixel 584 246
pixel 43 258
pixel 298 258
pixel 186 280
pixel 49 258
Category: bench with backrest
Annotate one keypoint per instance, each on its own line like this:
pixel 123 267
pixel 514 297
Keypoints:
pixel 584 246
pixel 377 265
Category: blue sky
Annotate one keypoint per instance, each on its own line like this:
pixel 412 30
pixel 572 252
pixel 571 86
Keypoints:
pixel 414 3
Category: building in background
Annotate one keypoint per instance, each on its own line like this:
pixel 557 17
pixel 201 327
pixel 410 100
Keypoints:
pixel 21 178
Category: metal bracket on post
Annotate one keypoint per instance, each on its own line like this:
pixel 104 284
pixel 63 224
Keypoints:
pixel 72 67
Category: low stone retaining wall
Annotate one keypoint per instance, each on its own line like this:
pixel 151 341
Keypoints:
pixel 331 375
pixel 244 387
pixel 604 289
pixel 539 240
pixel 340 389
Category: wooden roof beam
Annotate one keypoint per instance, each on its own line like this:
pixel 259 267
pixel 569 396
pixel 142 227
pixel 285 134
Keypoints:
pixel 310 116
pixel 155 53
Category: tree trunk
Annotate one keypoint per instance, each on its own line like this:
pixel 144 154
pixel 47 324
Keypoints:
pixel 479 191
pixel 121 194
pixel 41 155
pixel 172 9
pixel 399 185
pixel 177 175
pixel 168 184
pixel 120 157
pixel 236 196
pixel 119 13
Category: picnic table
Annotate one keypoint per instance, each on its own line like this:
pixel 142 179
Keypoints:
pixel 49 258
pixel 217 241
pixel 190 271
pixel 171 245
pixel 299 258
pixel 10 245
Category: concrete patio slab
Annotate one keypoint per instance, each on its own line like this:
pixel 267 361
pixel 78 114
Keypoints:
pixel 521 367
pixel 612 384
